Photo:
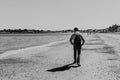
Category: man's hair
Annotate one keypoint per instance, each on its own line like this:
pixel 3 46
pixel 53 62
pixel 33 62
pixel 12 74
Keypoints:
pixel 76 29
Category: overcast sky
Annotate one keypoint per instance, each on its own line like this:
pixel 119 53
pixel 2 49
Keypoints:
pixel 58 14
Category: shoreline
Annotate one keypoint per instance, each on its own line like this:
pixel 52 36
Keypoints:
pixel 29 46
pixel 14 42
pixel 16 51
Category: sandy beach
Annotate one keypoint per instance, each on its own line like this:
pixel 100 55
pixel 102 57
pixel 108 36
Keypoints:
pixel 100 60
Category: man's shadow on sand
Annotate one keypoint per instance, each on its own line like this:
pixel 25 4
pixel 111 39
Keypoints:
pixel 62 68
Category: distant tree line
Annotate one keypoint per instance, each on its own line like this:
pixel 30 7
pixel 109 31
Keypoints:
pixel 113 28
pixel 13 31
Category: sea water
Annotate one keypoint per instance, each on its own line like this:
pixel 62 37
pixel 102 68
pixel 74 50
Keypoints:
pixel 18 41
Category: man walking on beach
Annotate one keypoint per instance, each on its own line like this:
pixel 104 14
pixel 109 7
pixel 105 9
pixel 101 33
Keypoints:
pixel 77 41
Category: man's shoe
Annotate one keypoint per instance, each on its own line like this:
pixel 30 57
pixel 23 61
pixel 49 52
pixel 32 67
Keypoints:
pixel 74 65
pixel 78 64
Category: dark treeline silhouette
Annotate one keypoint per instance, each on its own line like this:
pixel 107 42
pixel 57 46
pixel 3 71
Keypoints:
pixel 13 31
pixel 113 28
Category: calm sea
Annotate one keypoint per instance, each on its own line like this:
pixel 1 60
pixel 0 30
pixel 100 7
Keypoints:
pixel 18 41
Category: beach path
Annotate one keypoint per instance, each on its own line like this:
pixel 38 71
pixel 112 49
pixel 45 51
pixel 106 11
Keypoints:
pixel 99 61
